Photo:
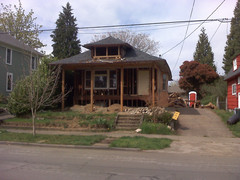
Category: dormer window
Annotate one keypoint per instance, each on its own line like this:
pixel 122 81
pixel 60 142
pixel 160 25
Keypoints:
pixel 234 64
pixel 107 52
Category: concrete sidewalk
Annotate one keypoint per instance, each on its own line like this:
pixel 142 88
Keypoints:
pixel 181 144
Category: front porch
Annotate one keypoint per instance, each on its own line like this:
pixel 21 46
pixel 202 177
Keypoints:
pixel 104 85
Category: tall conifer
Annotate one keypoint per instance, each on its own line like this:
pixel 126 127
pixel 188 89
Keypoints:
pixel 232 48
pixel 203 53
pixel 66 43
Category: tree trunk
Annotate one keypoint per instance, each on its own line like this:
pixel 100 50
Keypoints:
pixel 33 121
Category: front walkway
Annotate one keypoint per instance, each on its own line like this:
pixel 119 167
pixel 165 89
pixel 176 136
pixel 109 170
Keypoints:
pixel 201 123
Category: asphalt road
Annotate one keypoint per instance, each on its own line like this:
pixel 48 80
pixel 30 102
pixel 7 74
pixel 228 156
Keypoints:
pixel 42 163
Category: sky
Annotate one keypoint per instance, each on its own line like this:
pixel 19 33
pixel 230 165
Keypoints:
pixel 114 12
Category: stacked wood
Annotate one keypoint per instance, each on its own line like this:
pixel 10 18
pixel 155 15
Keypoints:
pixel 210 105
pixel 145 110
pixel 174 100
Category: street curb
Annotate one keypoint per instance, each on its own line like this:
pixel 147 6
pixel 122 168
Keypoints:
pixel 68 146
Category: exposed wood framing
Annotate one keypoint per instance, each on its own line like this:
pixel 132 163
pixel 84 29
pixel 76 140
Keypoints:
pixel 63 88
pixel 153 87
pixel 91 93
pixel 121 86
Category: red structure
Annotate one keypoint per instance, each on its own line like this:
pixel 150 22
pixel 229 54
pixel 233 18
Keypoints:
pixel 192 98
pixel 233 85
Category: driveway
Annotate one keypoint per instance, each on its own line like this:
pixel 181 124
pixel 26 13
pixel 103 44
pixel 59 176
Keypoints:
pixel 201 123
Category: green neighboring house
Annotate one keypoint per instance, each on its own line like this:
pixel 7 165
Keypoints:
pixel 16 61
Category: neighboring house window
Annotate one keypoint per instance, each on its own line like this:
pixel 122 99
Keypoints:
pixel 234 64
pixel 9 82
pixel 9 56
pixel 101 79
pixel 164 82
pixel 112 79
pixel 234 89
pixel 34 63
pixel 88 79
pixel 238 79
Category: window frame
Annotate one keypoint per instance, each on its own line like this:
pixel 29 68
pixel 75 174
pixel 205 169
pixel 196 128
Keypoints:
pixel 164 82
pixel 235 64
pixel 33 63
pixel 8 63
pixel 234 85
pixel 94 74
pixel 11 85
pixel 98 75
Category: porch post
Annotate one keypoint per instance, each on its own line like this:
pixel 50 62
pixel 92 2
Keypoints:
pixel 63 88
pixel 91 93
pixel 121 89
pixel 153 87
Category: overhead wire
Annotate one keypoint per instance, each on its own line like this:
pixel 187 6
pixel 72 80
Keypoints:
pixel 180 52
pixel 195 28
pixel 215 31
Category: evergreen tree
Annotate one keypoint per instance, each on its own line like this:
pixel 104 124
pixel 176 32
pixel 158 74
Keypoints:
pixel 65 39
pixel 203 53
pixel 233 40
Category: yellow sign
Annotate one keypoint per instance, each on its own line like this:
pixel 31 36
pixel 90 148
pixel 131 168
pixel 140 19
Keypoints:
pixel 175 115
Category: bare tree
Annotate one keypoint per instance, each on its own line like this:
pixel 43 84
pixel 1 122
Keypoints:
pixel 140 41
pixel 38 91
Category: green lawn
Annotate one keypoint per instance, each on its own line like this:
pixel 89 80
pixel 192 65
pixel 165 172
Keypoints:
pixel 225 115
pixel 50 139
pixel 142 143
pixel 155 128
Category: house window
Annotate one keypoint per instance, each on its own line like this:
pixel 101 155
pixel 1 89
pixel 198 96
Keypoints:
pixel 101 79
pixel 88 79
pixel 234 89
pixel 34 63
pixel 8 56
pixel 112 79
pixel 164 85
pixel 238 79
pixel 9 82
pixel 101 51
pixel 234 64
pixel 113 51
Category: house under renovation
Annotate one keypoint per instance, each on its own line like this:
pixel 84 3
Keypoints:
pixel 112 71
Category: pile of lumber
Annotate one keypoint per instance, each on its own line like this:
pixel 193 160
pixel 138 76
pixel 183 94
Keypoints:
pixel 210 105
pixel 174 100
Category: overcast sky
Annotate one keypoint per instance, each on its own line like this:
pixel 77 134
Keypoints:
pixel 112 12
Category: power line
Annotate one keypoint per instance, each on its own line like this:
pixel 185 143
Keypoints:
pixel 196 28
pixel 184 37
pixel 215 31
pixel 138 24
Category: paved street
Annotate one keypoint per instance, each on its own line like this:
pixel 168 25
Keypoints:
pixel 41 163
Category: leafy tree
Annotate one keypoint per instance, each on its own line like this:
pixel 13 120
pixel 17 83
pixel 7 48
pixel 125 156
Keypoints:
pixel 66 43
pixel 203 53
pixel 36 91
pixel 194 74
pixel 140 41
pixel 20 24
pixel 232 47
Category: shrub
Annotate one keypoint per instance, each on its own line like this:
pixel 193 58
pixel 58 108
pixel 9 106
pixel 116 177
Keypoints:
pixel 17 101
pixel 165 118
pixel 147 118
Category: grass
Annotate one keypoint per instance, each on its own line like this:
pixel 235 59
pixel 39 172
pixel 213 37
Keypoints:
pixel 50 139
pixel 54 118
pixel 142 143
pixel 155 128
pixel 225 115
pixel 2 105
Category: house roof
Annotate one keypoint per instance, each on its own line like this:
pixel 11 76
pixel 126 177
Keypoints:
pixel 10 40
pixel 232 74
pixel 175 89
pixel 132 55
pixel 109 41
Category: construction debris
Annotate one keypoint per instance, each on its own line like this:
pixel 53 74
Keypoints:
pixel 209 105
pixel 174 100
pixel 145 110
